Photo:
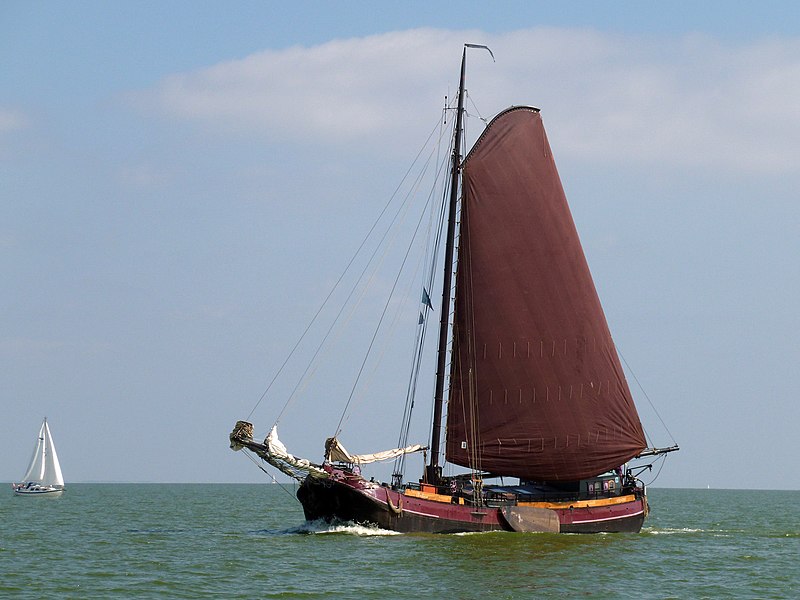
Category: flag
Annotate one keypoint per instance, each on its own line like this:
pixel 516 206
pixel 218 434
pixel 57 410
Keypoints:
pixel 426 300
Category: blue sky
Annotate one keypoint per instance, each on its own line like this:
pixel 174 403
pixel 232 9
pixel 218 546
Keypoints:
pixel 183 181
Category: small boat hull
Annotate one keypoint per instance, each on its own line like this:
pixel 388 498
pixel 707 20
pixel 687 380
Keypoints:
pixel 359 501
pixel 38 491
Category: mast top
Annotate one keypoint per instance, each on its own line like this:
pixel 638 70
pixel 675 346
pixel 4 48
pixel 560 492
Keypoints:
pixel 489 50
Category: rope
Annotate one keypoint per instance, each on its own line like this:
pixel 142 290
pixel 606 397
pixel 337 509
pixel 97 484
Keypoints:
pixel 336 285
pixel 636 379
pixel 380 321
pixel 274 480
pixel 419 336
pixel 663 459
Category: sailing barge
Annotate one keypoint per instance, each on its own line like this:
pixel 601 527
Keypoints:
pixel 537 395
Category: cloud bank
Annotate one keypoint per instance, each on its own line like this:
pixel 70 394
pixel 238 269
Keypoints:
pixel 689 101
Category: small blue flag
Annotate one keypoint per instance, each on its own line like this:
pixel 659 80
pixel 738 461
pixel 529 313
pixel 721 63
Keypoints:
pixel 426 300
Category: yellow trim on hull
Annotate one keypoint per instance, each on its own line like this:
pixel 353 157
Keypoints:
pixel 430 496
pixel 583 503
pixel 555 505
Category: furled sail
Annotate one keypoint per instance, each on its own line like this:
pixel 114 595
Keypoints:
pixel 537 390
pixel 278 456
pixel 274 452
pixel 336 452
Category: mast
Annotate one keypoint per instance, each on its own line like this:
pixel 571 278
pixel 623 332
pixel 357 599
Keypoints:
pixel 433 471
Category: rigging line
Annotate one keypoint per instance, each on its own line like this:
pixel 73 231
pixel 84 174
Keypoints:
pixel 409 403
pixel 664 425
pixel 663 459
pixel 305 378
pixel 421 334
pixel 420 330
pixel 443 216
pixel 444 163
pixel 465 259
pixel 434 264
pixel 308 372
pixel 392 329
pixel 401 214
pixel 472 343
pixel 401 211
pixel 380 321
pixel 404 210
pixel 410 397
pixel 435 224
pixel 415 373
pixel 477 111
pixel 271 476
pixel 338 281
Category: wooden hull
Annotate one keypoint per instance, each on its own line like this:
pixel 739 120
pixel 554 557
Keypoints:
pixel 351 499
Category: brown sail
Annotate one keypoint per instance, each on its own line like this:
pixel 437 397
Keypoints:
pixel 537 390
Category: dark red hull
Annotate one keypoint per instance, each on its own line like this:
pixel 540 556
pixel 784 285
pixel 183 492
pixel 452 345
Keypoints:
pixel 361 502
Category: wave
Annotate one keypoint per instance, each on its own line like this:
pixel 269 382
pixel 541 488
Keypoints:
pixel 671 531
pixel 320 527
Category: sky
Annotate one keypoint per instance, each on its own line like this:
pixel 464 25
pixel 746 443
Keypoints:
pixel 181 183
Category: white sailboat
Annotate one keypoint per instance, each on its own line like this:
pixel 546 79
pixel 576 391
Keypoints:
pixel 44 472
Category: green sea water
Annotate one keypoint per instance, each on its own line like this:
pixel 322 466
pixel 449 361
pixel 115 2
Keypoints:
pixel 250 541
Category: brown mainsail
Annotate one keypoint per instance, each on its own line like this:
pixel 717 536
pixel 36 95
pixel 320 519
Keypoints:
pixel 537 390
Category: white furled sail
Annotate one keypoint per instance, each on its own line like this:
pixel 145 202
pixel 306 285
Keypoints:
pixel 334 451
pixel 44 472
pixel 274 452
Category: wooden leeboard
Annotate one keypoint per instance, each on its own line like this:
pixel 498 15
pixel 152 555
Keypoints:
pixel 531 519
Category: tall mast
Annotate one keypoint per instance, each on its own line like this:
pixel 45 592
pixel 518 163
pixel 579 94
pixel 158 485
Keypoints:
pixel 433 472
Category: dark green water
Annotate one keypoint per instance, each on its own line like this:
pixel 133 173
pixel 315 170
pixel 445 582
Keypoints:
pixel 248 541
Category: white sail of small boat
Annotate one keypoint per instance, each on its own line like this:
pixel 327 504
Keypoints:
pixel 44 472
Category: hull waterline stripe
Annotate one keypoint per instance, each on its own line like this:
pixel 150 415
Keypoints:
pixel 607 518
pixel 422 514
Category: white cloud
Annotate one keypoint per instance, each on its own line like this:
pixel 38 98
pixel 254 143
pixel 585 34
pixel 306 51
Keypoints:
pixel 620 99
pixel 344 89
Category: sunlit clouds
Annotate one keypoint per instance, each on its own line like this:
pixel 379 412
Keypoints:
pixel 685 101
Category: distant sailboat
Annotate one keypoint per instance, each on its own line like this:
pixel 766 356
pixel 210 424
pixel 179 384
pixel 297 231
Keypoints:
pixel 44 472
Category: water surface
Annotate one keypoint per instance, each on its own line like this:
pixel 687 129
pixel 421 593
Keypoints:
pixel 246 541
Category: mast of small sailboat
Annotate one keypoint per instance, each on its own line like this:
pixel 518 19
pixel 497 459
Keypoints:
pixel 433 471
